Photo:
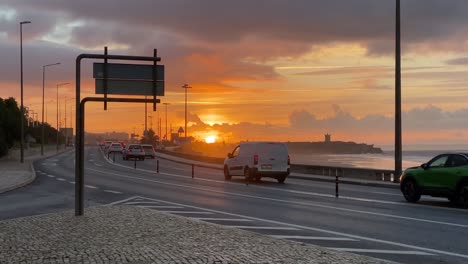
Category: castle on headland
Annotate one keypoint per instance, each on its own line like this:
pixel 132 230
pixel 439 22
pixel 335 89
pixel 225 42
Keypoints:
pixel 333 147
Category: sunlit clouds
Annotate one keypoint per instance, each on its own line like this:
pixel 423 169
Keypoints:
pixel 289 71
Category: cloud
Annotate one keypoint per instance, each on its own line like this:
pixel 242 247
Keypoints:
pixel 458 61
pixel 370 22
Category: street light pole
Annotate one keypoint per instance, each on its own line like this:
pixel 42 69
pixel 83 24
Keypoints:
pixel 186 86
pixel 22 108
pixel 398 144
pixel 43 93
pixel 58 85
pixel 166 104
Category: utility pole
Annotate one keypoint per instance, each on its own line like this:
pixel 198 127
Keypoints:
pixel 398 144
pixel 43 94
pixel 22 107
pixel 186 86
pixel 58 110
pixel 166 104
pixel 146 116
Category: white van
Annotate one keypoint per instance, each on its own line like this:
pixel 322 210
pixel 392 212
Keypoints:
pixel 255 160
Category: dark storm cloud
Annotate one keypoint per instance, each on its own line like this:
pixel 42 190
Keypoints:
pixel 314 21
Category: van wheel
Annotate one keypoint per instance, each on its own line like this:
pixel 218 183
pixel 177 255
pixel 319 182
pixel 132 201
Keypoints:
pixel 281 179
pixel 227 177
pixel 247 174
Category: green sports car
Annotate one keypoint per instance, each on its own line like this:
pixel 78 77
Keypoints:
pixel 446 175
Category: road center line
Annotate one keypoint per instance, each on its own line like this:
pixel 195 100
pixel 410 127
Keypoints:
pixel 287 201
pixel 221 219
pixel 290 191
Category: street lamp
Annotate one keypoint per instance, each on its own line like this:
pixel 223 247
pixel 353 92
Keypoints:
pixel 186 86
pixel 43 92
pixel 65 122
pixel 58 85
pixel 166 104
pixel 22 110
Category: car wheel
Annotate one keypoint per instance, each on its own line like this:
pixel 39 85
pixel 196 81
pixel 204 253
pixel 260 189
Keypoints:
pixel 410 191
pixel 463 195
pixel 227 177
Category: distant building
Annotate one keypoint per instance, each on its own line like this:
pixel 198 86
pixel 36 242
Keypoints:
pixel 327 138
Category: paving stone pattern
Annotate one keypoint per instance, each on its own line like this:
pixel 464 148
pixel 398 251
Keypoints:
pixel 126 234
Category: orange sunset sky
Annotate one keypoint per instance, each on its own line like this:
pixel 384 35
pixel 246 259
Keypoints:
pixel 260 70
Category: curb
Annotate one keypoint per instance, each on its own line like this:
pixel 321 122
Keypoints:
pixel 30 179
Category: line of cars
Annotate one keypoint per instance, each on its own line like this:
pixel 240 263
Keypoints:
pixel 130 151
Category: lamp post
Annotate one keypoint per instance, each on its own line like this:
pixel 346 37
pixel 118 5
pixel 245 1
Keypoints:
pixel 43 92
pixel 185 86
pixel 22 109
pixel 398 144
pixel 58 85
pixel 65 122
pixel 166 104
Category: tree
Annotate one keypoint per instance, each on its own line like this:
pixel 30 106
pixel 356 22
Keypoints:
pixel 10 124
pixel 150 138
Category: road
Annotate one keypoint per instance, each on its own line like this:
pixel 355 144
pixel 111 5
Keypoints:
pixel 365 220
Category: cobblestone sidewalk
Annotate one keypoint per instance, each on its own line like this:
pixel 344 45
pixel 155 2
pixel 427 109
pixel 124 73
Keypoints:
pixel 122 234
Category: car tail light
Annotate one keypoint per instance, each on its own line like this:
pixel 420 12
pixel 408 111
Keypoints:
pixel 289 160
pixel 255 159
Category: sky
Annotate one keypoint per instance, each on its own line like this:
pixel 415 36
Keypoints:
pixel 259 70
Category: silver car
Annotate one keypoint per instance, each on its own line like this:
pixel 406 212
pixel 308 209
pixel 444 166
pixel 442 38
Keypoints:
pixel 149 151
pixel 133 151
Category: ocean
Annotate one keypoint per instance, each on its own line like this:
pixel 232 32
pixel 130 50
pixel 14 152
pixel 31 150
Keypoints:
pixel 386 160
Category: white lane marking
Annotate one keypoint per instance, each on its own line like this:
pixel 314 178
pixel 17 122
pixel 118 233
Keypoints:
pixel 383 251
pixel 294 191
pixel 160 206
pixel 442 252
pixel 91 187
pixel 72 182
pixel 99 165
pixel 125 200
pixel 60 179
pixel 38 171
pixel 263 227
pixel 185 212
pixel 132 203
pixel 288 201
pixel 221 219
pixel 53 160
pixel 50 175
pixel 314 238
pixel 111 191
pixel 91 160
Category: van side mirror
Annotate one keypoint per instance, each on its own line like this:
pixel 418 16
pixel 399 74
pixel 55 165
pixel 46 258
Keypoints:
pixel 230 155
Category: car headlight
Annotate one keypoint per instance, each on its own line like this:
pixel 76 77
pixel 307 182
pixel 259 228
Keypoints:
pixel 401 177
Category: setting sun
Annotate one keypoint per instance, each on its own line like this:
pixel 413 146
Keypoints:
pixel 210 139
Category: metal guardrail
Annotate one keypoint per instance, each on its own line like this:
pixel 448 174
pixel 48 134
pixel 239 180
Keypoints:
pixel 332 171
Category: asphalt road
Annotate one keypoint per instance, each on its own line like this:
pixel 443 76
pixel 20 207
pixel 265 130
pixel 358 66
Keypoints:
pixel 366 220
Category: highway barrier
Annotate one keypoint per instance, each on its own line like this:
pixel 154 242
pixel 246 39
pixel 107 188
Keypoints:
pixel 384 175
